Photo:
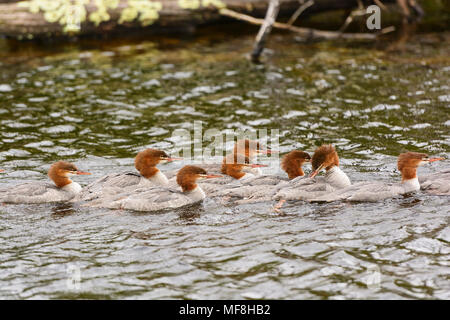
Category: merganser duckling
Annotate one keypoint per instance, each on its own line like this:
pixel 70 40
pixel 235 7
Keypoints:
pixel 376 191
pixel 236 168
pixel 160 198
pixel 247 148
pixel 234 165
pixel 149 175
pixel 251 149
pixel 264 187
pixel 325 157
pixel 292 163
pixel 63 188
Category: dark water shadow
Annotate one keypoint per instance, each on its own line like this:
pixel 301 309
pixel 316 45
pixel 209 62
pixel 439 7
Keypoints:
pixel 62 209
pixel 191 213
pixel 409 200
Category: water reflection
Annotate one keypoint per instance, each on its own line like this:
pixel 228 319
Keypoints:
pixel 60 210
pixel 191 213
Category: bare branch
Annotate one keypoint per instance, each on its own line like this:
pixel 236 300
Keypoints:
pixel 381 5
pixel 299 11
pixel 307 32
pixel 360 5
pixel 351 16
pixel 264 31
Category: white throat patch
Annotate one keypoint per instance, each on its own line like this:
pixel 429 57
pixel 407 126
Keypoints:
pixel 72 187
pixel 411 185
pixel 159 178
pixel 196 194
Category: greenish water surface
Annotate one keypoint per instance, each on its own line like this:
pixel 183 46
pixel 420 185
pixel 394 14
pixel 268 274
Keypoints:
pixel 97 104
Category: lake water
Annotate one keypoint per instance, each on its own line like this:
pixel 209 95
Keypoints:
pixel 97 104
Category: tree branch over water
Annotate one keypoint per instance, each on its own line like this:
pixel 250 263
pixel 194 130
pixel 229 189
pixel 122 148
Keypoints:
pixel 264 31
pixel 34 18
pixel 308 33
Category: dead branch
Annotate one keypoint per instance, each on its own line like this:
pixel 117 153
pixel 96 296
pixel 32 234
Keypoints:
pixel 264 31
pixel 360 11
pixel 380 4
pixel 299 11
pixel 308 33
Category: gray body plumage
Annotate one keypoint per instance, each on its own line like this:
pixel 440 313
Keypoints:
pixel 113 184
pixel 364 192
pixel 37 192
pixel 110 184
pixel 149 199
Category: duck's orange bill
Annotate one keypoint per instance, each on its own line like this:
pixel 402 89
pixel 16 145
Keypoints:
pixel 83 173
pixel 1 170
pixel 313 174
pixel 256 165
pixel 209 176
pixel 173 159
pixel 435 159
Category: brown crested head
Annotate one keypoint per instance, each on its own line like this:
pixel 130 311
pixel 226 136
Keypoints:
pixel 145 161
pixel 149 158
pixel 233 164
pixel 60 172
pixel 293 161
pixel 326 157
pixel 411 160
pixel 188 175
pixel 408 163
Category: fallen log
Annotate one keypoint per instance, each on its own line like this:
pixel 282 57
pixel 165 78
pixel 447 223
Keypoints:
pixel 38 18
